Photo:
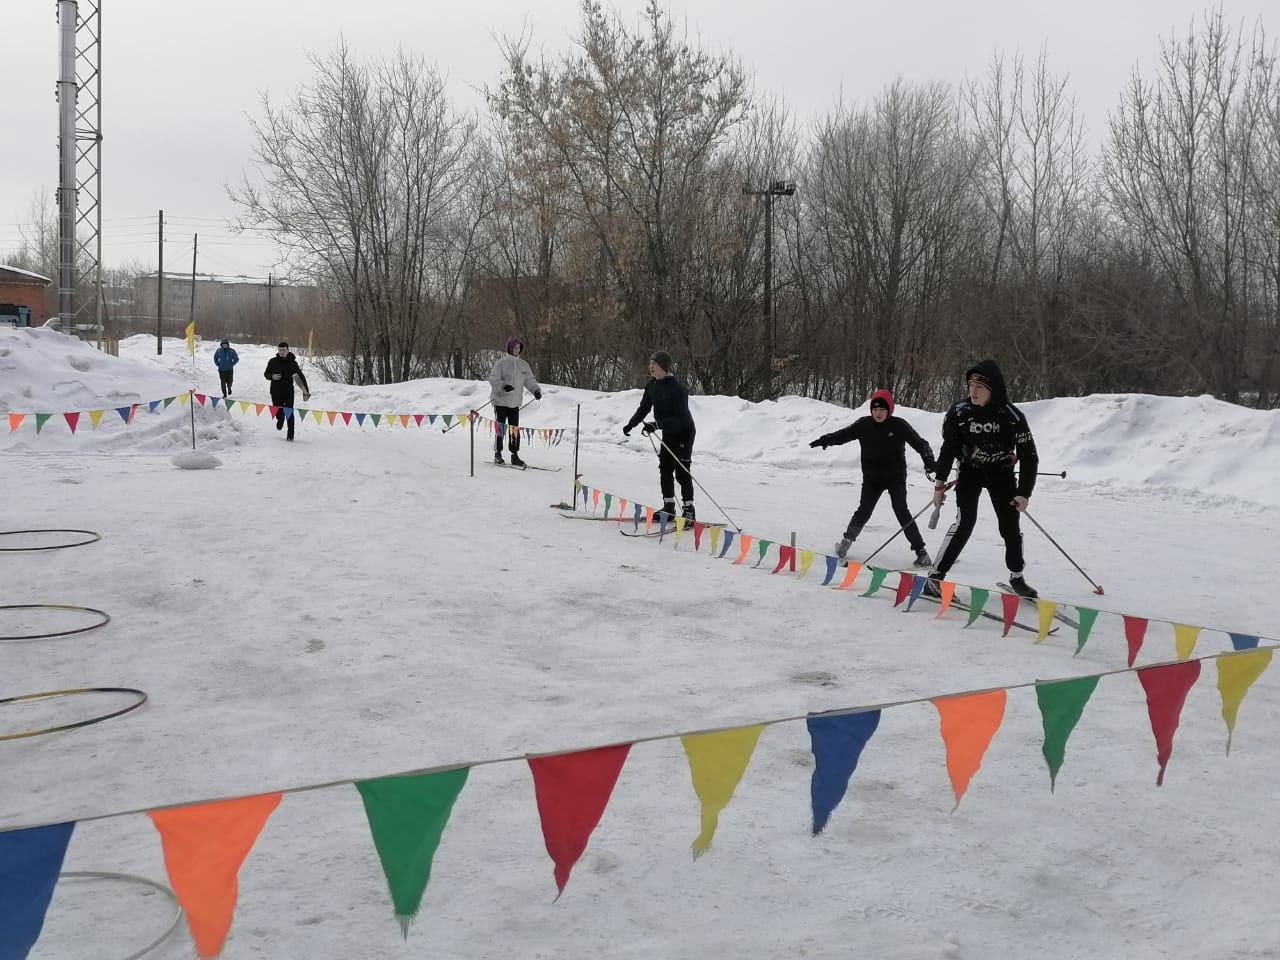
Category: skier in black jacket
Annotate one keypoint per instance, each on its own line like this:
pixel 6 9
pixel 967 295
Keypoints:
pixel 281 370
pixel 669 401
pixel 883 438
pixel 987 436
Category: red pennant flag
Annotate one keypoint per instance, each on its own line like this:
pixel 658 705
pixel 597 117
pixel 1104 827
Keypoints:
pixel 572 790
pixel 1010 603
pixel 201 398
pixel 905 580
pixel 274 411
pixel 1135 630
pixel 204 846
pixel 72 419
pixel 785 556
pixel 346 418
pixel 417 417
pixel 698 527
pixel 1167 689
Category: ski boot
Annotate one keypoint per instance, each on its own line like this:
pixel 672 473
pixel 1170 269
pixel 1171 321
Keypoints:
pixel 842 548
pixel 497 458
pixel 516 461
pixel 1021 587
pixel 669 508
pixel 923 559
pixel 686 511
pixel 933 585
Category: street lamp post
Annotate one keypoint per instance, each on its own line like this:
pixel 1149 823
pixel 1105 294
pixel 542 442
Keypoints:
pixel 778 188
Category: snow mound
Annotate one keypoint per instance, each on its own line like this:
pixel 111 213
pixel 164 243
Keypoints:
pixel 195 460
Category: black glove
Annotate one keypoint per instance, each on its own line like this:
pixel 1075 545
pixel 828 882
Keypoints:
pixel 507 388
pixel 649 428
pixel 626 431
pixel 537 394
pixel 820 442
pixel 930 470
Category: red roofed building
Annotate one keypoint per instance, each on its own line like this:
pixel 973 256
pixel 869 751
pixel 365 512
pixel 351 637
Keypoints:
pixel 22 297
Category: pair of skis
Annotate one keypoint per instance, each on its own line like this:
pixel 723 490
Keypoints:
pixel 527 466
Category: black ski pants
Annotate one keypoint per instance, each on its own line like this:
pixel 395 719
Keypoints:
pixel 282 401
pixel 872 488
pixel 509 418
pixel 1002 486
pixel 225 377
pixel 675 458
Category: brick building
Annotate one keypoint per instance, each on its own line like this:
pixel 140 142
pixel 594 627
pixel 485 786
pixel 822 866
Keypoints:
pixel 22 297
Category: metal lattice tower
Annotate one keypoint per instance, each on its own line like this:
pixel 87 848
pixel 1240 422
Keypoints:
pixel 80 163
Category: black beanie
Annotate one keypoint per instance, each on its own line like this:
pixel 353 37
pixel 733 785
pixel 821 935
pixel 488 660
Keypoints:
pixel 662 359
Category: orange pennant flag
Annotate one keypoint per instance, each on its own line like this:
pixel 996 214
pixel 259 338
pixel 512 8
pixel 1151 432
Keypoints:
pixel 968 724
pixel 332 415
pixel 850 575
pixel 948 592
pixel 622 509
pixel 204 846
pixel 15 421
pixel 744 544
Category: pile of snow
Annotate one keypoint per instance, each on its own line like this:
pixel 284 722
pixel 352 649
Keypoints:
pixel 1167 446
pixel 195 460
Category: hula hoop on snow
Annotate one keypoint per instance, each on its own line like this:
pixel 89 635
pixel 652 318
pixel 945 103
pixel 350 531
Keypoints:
pixel 106 618
pixel 131 878
pixel 93 537
pixel 48 694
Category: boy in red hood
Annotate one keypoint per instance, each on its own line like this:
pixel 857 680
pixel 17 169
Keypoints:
pixel 884 467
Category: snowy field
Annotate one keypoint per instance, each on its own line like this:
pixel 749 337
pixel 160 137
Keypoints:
pixel 354 604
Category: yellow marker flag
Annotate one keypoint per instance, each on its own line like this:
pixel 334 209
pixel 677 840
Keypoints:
pixel 1184 639
pixel 95 417
pixel 318 415
pixel 184 398
pixel 715 539
pixel 717 762
pixel 244 406
pixel 191 338
pixel 1236 673
pixel 806 561
pixel 1046 609
pixel 680 522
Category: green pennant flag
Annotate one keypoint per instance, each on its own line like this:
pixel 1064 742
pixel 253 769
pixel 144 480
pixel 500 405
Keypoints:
pixel 977 602
pixel 375 417
pixel 1087 618
pixel 407 817
pixel 447 418
pixel 1061 705
pixel 42 419
pixel 608 502
pixel 762 547
pixel 167 401
pixel 877 578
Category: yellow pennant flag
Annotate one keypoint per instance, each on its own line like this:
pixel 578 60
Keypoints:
pixel 1184 639
pixel 191 338
pixel 95 417
pixel 717 762
pixel 806 561
pixel 1046 609
pixel 317 415
pixel 184 398
pixel 680 522
pixel 1236 673
pixel 244 406
pixel 715 539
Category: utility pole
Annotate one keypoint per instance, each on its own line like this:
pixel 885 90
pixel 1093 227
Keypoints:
pixel 195 245
pixel 160 293
pixel 778 188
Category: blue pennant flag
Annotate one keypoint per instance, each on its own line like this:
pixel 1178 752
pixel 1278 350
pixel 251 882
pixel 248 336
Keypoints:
pixel 662 524
pixel 360 419
pixel 837 744
pixel 124 413
pixel 917 586
pixel 728 539
pixel 635 517
pixel 832 563
pixel 151 407
pixel 1242 641
pixel 30 861
pixel 583 488
pixel 287 411
pixel 431 419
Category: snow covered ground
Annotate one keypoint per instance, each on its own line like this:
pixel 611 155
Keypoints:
pixel 354 604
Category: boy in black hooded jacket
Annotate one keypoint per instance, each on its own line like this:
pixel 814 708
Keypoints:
pixel 987 436
pixel 669 400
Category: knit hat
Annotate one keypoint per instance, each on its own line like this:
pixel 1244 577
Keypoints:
pixel 513 342
pixel 882 398
pixel 662 359
pixel 977 377
pixel 225 343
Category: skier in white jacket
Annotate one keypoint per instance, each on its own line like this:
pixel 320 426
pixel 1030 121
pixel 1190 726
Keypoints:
pixel 509 378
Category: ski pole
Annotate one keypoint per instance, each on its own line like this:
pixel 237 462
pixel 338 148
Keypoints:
pixel 477 410
pixel 1063 474
pixel 1096 588
pixel 691 477
pixel 897 533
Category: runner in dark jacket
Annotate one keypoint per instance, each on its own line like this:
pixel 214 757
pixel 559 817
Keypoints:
pixel 667 398
pixel 883 438
pixel 282 370
pixel 987 436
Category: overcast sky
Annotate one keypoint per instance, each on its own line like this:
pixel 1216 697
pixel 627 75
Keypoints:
pixel 179 78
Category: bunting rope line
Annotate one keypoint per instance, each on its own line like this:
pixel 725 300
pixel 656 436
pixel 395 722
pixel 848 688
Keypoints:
pixel 93 538
pixel 133 878
pixel 1135 626
pixel 78 691
pixel 106 618
pixel 651 738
